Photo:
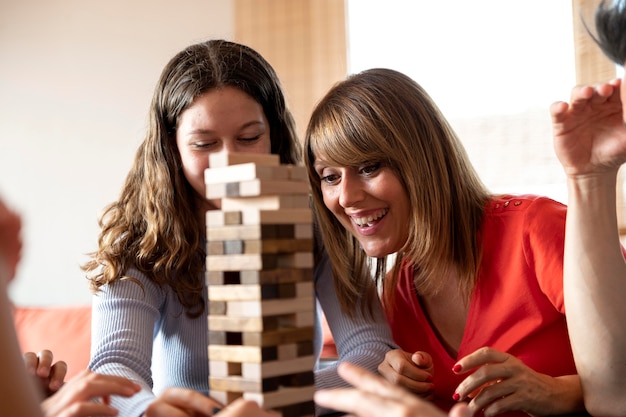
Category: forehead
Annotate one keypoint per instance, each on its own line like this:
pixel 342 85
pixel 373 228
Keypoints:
pixel 220 107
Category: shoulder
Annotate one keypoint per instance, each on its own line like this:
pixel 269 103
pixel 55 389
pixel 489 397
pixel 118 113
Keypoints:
pixel 133 284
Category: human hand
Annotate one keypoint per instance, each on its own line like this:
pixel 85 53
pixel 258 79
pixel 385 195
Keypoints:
pixel 245 408
pixel 373 396
pixel 413 371
pixel 502 383
pixel 10 241
pixel 589 132
pixel 182 402
pixel 76 397
pixel 49 377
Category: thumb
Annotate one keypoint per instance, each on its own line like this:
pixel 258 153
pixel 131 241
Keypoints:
pixel 422 359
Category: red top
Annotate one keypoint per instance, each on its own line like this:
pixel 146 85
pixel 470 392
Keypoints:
pixel 517 305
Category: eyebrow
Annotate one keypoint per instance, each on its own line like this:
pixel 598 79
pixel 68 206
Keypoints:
pixel 244 126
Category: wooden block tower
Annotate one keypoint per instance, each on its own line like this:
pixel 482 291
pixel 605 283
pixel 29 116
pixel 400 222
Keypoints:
pixel 260 283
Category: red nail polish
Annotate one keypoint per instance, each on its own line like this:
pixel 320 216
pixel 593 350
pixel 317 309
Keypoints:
pixel 456 396
pixel 457 368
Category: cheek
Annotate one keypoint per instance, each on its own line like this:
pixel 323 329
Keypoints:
pixel 194 166
pixel 329 199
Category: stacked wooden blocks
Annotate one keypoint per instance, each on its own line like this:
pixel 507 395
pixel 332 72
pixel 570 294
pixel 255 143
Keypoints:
pixel 260 283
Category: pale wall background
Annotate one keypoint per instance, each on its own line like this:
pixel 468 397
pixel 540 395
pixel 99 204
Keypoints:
pixel 76 79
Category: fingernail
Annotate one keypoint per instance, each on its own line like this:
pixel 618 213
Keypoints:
pixel 457 368
pixel 428 378
pixel 456 396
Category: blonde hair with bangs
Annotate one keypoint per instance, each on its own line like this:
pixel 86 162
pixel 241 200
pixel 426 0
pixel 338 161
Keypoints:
pixel 383 115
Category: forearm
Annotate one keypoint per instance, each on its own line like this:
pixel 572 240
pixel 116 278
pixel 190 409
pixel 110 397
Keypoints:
pixel 595 287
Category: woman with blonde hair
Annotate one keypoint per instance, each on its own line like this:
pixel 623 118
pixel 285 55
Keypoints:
pixel 476 291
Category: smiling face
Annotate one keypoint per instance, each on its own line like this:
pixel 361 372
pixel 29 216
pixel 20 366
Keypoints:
pixel 221 120
pixel 370 201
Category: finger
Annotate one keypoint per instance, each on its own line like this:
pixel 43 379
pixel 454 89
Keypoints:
pixel 367 382
pixel 31 361
pixel 241 407
pixel 89 408
pixel 460 410
pixel 418 382
pixel 189 400
pixel 57 376
pixel 493 396
pixel 102 386
pixel 479 358
pixel 424 361
pixel 45 363
pixel 360 403
pixel 483 377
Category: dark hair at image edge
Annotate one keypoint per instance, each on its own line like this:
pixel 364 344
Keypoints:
pixel 610 24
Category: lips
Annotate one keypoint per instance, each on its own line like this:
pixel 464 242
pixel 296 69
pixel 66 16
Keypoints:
pixel 368 221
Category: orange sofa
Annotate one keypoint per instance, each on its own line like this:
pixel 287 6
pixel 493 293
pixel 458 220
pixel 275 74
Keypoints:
pixel 66 331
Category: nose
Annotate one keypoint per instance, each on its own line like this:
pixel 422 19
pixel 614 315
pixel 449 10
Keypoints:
pixel 350 190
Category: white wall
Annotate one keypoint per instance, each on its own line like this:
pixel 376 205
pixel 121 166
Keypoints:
pixel 76 79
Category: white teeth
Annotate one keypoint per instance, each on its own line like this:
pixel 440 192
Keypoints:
pixel 367 221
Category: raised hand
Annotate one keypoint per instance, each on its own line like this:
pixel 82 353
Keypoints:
pixel 589 132
pixel 413 371
pixel 500 382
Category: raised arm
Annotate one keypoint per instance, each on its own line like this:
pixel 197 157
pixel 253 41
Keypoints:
pixel 590 142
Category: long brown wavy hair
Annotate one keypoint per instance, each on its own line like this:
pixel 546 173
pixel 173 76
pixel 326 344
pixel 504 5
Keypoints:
pixel 157 225
pixel 381 115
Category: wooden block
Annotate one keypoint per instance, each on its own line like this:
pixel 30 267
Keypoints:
pixel 298 173
pixel 266 202
pixel 276 276
pixel 252 354
pixel 282 216
pixel 223 218
pixel 224 397
pixel 279 367
pixel 260 231
pixel 264 246
pixel 236 324
pixel 223 368
pixel 282 397
pixel 253 216
pixel 256 231
pixel 252 324
pixel 255 188
pixel 245 172
pixel 225 338
pixel 288 351
pixel 221 159
pixel 215 247
pixel 222 277
pixel 269 307
pixel 242 292
pixel 279 336
pixel 299 319
pixel 257 262
pixel 240 384
pixel 217 307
